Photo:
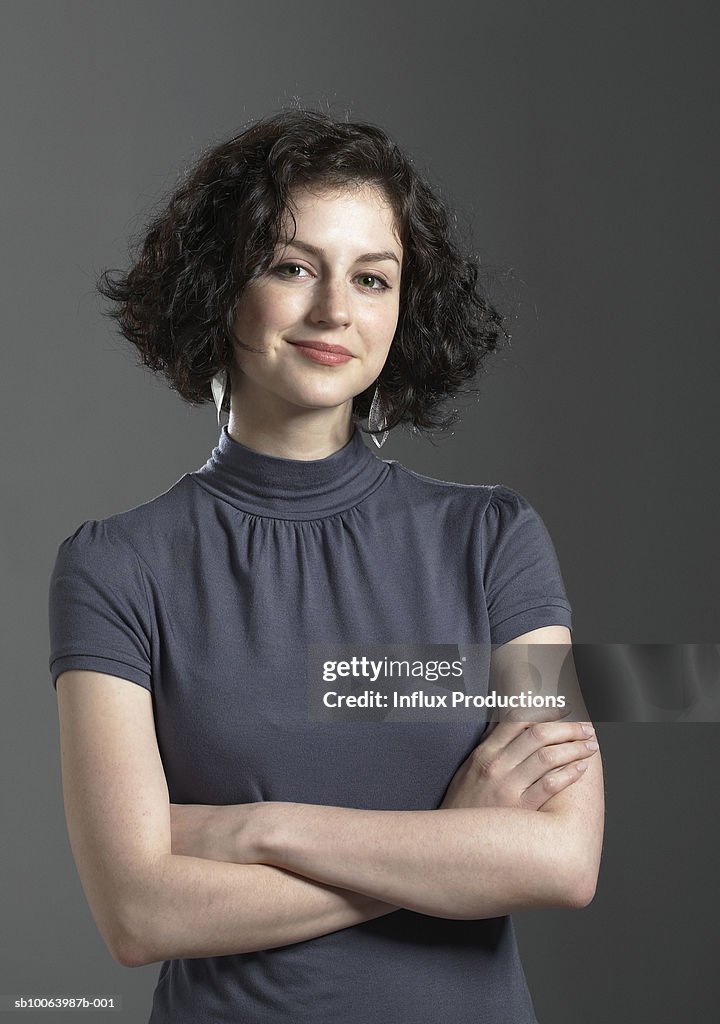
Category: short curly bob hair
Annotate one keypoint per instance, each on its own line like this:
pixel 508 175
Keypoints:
pixel 220 229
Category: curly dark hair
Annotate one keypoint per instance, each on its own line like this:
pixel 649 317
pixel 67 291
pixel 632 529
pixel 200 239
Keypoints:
pixel 219 231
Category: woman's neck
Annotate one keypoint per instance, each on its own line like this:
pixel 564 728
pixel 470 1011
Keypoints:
pixel 302 434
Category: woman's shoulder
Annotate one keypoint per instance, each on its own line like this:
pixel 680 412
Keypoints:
pixel 134 529
pixel 496 494
pixel 495 508
pixel 424 480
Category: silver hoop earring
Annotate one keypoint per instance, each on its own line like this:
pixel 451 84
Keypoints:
pixel 219 386
pixel 377 419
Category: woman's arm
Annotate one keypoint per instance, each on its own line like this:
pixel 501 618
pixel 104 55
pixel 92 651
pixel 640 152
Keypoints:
pixel 149 904
pixel 490 850
pixel 454 863
pixel 460 861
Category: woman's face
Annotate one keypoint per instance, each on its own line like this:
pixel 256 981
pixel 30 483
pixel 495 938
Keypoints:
pixel 336 284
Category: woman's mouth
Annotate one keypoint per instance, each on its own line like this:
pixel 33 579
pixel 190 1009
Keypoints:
pixel 320 352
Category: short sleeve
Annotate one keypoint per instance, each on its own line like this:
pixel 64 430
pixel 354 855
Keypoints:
pixel 98 609
pixel 524 587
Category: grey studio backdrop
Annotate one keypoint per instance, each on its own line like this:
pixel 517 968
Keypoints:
pixel 579 144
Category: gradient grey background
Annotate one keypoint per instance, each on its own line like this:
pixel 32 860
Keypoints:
pixel 579 144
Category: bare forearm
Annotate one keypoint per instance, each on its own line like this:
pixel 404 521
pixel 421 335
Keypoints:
pixel 454 863
pixel 191 907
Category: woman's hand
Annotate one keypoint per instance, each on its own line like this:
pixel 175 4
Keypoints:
pixel 227 832
pixel 521 765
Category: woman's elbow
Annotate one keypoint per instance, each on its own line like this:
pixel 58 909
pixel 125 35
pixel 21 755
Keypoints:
pixel 583 891
pixel 124 940
pixel 127 954
pixel 127 926
pixel 119 938
pixel 577 882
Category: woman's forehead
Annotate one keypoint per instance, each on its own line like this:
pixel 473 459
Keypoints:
pixel 318 209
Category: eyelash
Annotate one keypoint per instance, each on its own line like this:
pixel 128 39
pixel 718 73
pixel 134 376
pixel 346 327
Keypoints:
pixel 376 277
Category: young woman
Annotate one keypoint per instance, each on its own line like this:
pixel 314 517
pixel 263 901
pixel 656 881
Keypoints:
pixel 284 868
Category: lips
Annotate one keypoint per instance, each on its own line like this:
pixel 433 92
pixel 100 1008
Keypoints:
pixel 322 346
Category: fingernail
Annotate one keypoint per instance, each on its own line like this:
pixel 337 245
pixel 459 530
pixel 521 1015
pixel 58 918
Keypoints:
pixel 591 745
pixel 587 728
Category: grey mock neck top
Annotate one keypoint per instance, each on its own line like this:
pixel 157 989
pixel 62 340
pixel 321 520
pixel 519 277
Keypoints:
pixel 291 489
pixel 208 594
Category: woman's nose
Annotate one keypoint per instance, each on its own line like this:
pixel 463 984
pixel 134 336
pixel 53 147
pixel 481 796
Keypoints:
pixel 331 302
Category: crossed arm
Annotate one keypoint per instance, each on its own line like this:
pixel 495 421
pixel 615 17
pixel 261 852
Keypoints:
pixel 167 881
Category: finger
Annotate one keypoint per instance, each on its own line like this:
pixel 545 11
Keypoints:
pixel 538 751
pixel 514 742
pixel 547 759
pixel 505 729
pixel 548 734
pixel 554 782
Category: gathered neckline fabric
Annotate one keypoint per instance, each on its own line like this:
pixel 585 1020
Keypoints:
pixel 278 488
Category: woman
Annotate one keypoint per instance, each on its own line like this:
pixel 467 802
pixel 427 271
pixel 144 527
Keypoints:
pixel 286 869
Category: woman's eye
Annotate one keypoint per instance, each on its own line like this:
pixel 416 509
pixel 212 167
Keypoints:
pixel 289 266
pixel 381 285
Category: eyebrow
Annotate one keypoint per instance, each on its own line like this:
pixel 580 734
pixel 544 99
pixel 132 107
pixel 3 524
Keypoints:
pixel 368 257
